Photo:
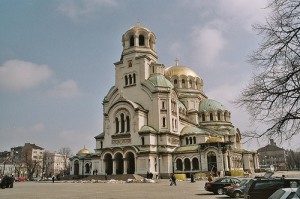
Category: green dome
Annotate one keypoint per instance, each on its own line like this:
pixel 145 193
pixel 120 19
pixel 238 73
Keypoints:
pixel 146 128
pixel 211 105
pixel 160 81
pixel 193 130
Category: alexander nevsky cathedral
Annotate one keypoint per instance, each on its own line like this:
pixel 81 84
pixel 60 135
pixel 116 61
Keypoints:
pixel 158 120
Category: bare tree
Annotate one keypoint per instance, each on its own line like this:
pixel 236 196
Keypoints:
pixel 66 151
pixel 273 94
pixel 293 159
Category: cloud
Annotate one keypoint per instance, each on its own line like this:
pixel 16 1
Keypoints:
pixel 80 8
pixel 243 13
pixel 208 42
pixel 66 89
pixel 16 75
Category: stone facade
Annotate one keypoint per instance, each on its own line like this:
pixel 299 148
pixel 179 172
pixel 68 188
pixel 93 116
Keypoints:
pixel 159 120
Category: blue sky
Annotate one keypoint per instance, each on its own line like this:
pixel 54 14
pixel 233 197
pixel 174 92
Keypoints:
pixel 56 60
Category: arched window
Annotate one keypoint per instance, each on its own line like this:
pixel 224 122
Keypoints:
pixel 101 144
pixel 117 124
pixel 186 141
pixel 129 63
pixel 134 78
pixel 127 123
pixel 163 105
pixel 172 123
pixel 126 80
pixel 122 123
pixel 175 81
pixel 175 123
pixel 194 138
pixel 191 140
pixel 203 117
pixel 190 82
pixel 211 117
pixel 143 140
pixel 183 83
pixel 141 40
pixel 130 79
pixel 131 40
pixel 164 122
pixel 179 165
pixel 219 116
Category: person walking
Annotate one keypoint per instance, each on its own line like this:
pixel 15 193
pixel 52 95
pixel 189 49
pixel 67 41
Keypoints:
pixel 53 178
pixel 173 180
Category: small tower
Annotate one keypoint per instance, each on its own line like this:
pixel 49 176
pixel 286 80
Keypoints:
pixel 138 59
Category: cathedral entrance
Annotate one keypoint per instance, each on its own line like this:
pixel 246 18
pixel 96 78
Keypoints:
pixel 212 162
pixel 119 163
pixel 108 164
pixel 76 167
pixel 130 163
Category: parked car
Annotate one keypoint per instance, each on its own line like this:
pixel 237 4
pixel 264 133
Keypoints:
pixel 285 193
pixel 217 186
pixel 237 191
pixel 265 187
pixel 20 179
pixel 7 182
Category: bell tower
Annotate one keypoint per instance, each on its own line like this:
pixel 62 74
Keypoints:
pixel 137 56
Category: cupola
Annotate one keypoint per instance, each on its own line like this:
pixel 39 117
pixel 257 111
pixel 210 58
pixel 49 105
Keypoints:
pixel 139 40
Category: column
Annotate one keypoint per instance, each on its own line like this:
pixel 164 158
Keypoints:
pixel 125 161
pixel 114 166
pixel 225 161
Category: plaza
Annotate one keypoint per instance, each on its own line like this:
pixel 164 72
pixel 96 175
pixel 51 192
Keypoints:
pixel 60 190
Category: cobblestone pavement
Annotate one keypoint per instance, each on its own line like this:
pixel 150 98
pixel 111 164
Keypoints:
pixel 162 189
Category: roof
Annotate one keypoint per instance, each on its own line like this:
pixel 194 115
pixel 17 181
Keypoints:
pixel 210 105
pixel 193 130
pixel 101 135
pixel 180 71
pixel 160 81
pixel 270 147
pixel 83 151
pixel 146 128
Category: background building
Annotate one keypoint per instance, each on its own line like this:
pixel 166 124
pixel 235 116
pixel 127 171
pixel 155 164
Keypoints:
pixel 273 155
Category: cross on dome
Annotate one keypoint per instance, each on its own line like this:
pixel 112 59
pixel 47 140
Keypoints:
pixel 177 61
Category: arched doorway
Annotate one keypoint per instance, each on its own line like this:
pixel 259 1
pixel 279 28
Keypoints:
pixel 187 164
pixel 87 168
pixel 212 162
pixel 119 163
pixel 76 167
pixel 108 164
pixel 130 163
pixel 179 164
pixel 195 163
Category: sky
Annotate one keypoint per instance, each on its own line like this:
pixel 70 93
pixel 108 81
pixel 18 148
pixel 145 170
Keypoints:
pixel 57 60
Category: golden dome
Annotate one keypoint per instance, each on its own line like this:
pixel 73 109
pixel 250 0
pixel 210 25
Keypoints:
pixel 179 71
pixel 83 151
pixel 214 139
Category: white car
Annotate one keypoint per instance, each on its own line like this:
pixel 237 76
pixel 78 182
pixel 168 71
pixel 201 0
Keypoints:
pixel 285 193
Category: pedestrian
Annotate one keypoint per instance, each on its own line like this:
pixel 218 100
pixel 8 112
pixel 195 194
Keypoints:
pixel 105 175
pixel 173 180
pixel 210 178
pixel 53 177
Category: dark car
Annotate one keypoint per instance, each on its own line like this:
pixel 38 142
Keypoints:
pixel 217 186
pixel 237 191
pixel 265 187
pixel 7 182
